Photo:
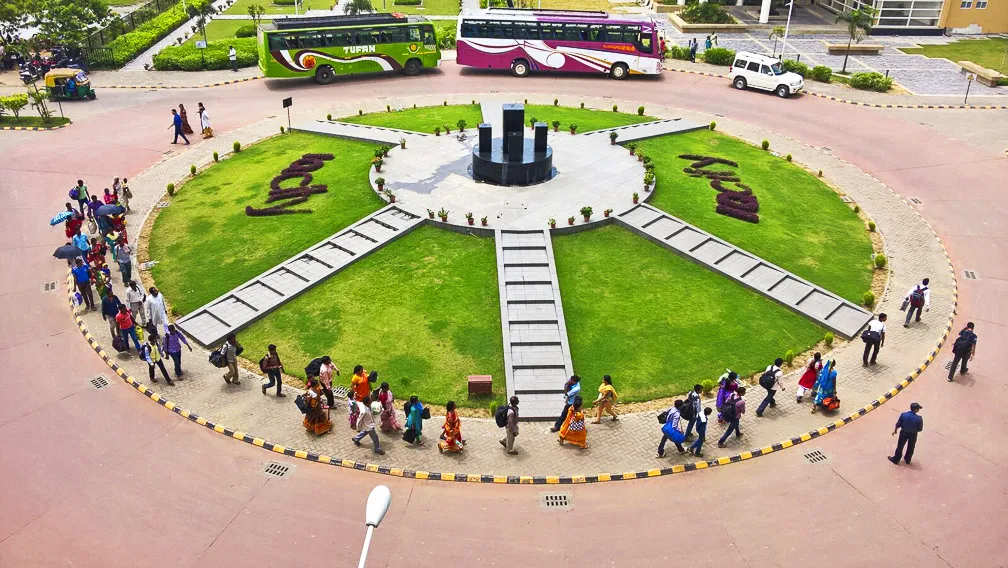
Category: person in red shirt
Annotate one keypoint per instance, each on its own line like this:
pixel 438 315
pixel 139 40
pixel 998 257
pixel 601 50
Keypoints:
pixel 74 222
pixel 126 327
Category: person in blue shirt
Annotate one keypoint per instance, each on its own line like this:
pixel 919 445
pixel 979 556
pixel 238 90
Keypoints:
pixel 572 390
pixel 909 425
pixel 177 123
pixel 81 242
pixel 82 281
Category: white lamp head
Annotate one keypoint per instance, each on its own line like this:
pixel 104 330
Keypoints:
pixel 377 505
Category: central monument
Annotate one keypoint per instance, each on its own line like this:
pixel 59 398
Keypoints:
pixel 510 159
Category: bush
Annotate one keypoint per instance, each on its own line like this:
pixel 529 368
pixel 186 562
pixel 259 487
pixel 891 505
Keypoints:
pixel 829 338
pixel 640 111
pixel 192 169
pixel 880 261
pixel 216 158
pixel 187 58
pixel 283 2
pixel 615 108
pixel 857 208
pixel 871 82
pixel 708 385
pixel 868 299
pixel 788 157
pixel 236 146
pixel 171 189
pixel 718 55
pixel 556 102
pixel 706 13
pixel 129 45
pixel 820 173
pixel 407 2
pixel 821 73
pixel 677 52
pixel 871 226
pixel 328 116
pixel 14 103
pixel 789 356
pixel 713 125
pixel 445 31
pixel 765 144
pixel 248 30
pixel 796 67
pixel 493 408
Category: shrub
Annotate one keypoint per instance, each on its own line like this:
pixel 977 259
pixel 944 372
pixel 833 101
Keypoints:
pixel 236 146
pixel 615 108
pixel 129 45
pixel 556 102
pixel 445 32
pixel 789 356
pixel 706 13
pixel 407 2
pixel 187 58
pixel 829 338
pixel 677 52
pixel 868 299
pixel 871 82
pixel 765 144
pixel 360 112
pixel 857 208
pixel 880 261
pixel 192 169
pixel 820 173
pixel 446 103
pixel 282 129
pixel 871 226
pixel 493 408
pixel 388 108
pixel 640 111
pixel 582 105
pixel 788 157
pixel 713 125
pixel 821 73
pixel 718 55
pixel 283 2
pixel 708 385
pixel 216 157
pixel 171 189
pixel 248 30
pixel 328 116
pixel 796 67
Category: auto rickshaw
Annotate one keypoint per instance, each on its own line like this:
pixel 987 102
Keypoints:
pixel 68 84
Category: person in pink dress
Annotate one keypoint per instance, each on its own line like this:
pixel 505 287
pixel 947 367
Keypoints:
pixel 808 378
pixel 389 422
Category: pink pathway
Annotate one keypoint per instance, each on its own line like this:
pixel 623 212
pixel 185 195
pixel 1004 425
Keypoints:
pixel 106 478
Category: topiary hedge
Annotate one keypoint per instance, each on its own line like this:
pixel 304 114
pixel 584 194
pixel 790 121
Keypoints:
pixel 129 45
pixel 821 73
pixel 186 57
pixel 677 52
pixel 871 82
pixel 407 2
pixel 248 30
pixel 796 67
pixel 719 55
pixel 706 13
pixel 283 2
pixel 445 31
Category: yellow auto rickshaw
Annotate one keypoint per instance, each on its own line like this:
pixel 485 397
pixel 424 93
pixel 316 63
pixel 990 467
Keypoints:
pixel 68 84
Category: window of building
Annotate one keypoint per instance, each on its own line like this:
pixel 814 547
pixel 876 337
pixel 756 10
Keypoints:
pixel 981 4
pixel 966 4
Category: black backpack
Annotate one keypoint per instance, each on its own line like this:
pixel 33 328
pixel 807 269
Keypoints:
pixel 768 378
pixel 729 410
pixel 688 409
pixel 314 367
pixel 301 404
pixel 500 417
pixel 962 344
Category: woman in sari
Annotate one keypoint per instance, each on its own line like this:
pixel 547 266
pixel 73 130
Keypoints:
pixel 205 122
pixel 808 378
pixel 606 397
pixel 186 129
pixel 727 384
pixel 452 431
pixel 389 422
pixel 825 387
pixel 316 420
pixel 573 429
pixel 414 419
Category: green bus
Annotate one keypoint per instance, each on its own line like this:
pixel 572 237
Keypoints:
pixel 326 46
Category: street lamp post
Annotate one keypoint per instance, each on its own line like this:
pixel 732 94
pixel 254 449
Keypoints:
pixel 787 28
pixel 377 505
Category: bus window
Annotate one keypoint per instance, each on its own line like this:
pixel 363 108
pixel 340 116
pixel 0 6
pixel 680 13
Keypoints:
pixel 414 33
pixel 575 32
pixel 614 34
pixel 469 29
pixel 310 40
pixel 496 30
pixel 397 34
pixel 595 33
pixel 277 43
pixel 428 36
pixel 644 43
pixel 550 31
pixel 631 34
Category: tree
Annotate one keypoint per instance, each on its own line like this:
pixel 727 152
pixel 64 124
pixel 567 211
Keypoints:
pixel 775 34
pixel 12 17
pixel 201 10
pixel 14 103
pixel 355 7
pixel 859 23
pixel 256 11
pixel 63 22
pixel 38 100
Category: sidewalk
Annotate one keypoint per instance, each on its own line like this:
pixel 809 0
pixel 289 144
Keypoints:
pixel 626 445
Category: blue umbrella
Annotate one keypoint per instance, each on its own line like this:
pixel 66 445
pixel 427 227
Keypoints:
pixel 60 217
pixel 110 210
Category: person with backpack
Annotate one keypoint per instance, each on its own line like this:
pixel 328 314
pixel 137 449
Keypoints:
pixel 272 366
pixel 964 349
pixel 670 429
pixel 874 338
pixel 909 425
pixel 919 297
pixel 366 426
pixel 808 378
pixel 691 409
pixel 79 193
pixel 173 342
pixel 414 421
pixel 701 428
pixel 606 397
pixel 732 411
pixel 770 380
pixel 507 418
pixel 151 352
pixel 572 390
pixel 229 351
pixel 727 384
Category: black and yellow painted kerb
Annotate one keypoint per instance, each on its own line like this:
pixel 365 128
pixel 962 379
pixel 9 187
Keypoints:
pixel 150 87
pixel 512 479
pixel 36 128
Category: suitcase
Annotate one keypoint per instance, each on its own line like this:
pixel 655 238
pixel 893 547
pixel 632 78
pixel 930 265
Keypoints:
pixel 119 344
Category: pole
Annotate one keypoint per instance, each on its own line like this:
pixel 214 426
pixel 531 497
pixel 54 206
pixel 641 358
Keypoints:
pixel 288 119
pixel 968 83
pixel 787 28
pixel 367 544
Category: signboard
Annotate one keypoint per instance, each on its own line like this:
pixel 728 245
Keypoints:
pixel 288 102
pixel 200 44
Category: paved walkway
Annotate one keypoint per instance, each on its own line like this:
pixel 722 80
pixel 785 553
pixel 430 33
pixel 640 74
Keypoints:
pixel 627 445
pixel 147 57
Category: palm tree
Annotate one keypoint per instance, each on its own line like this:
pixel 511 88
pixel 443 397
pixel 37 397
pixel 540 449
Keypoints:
pixel 775 34
pixel 355 7
pixel 859 23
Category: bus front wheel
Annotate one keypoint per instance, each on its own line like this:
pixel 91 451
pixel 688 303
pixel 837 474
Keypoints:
pixel 619 71
pixel 413 67
pixel 520 68
pixel 324 75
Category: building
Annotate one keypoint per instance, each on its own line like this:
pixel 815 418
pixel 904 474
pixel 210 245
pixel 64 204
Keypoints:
pixel 975 16
pixel 932 16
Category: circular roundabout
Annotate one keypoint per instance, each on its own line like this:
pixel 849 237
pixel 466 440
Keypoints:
pixel 427 307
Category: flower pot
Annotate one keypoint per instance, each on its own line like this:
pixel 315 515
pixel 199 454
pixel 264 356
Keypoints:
pixel 471 222
pixel 572 132
pixel 570 221
pixel 587 218
pixel 612 141
pixel 381 187
pixel 631 152
pixel 436 133
pixel 640 158
pixel 391 199
pixel 552 225
pixel 377 168
pixel 385 154
pixel 431 215
pixel 484 223
pixel 647 187
pixel 444 219
pixel 606 213
pixel 402 145
pixel 635 200
pixel 556 129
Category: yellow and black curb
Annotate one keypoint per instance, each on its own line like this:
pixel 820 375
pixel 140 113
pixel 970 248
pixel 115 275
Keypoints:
pixel 36 128
pixel 863 104
pixel 150 87
pixel 512 479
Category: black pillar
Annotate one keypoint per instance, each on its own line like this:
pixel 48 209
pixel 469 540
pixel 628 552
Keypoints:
pixel 485 138
pixel 514 121
pixel 540 137
pixel 515 143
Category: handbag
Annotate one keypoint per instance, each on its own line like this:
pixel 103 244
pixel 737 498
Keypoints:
pixel 425 414
pixel 409 435
pixel 906 302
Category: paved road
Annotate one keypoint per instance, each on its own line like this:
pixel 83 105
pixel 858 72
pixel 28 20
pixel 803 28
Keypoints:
pixel 117 480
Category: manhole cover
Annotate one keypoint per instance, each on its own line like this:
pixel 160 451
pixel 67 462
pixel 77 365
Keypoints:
pixel 49 286
pixel 560 501
pixel 99 382
pixel 277 469
pixel 972 275
pixel 816 456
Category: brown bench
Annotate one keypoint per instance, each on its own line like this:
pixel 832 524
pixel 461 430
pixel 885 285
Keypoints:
pixel 986 76
pixel 862 48
pixel 480 384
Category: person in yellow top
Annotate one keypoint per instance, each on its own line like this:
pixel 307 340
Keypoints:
pixel 606 397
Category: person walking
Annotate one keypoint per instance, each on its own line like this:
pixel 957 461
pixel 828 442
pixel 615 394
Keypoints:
pixel 366 426
pixel 186 129
pixel 701 428
pixel 272 366
pixel 177 123
pixel 80 194
pixel 693 50
pixel 316 420
pixel 127 328
pixel 152 353
pixel 691 409
pixel 909 425
pixel 511 427
pixel 727 384
pixel 173 342
pixel 714 39
pixel 572 390
pixel 573 429
pixel 135 297
pixel 109 310
pixel 230 351
pixel 205 121
pixel 918 298
pixel 233 56
pixel 606 397
pixel 326 370
pixel 825 388
pixel 670 429
pixel 874 338
pixel 82 243
pixel 123 253
pixel 157 311
pixel 770 380
pixel 414 421
pixel 808 378
pixel 451 431
pixel 82 282
pixel 964 349
pixel 389 421
pixel 732 412
pixel 125 195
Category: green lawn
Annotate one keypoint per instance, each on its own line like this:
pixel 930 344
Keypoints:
pixel 586 119
pixel 422 119
pixel 9 120
pixel 204 242
pixel 241 6
pixel 988 52
pixel 804 226
pixel 423 312
pixel 438 7
pixel 218 29
pixel 659 323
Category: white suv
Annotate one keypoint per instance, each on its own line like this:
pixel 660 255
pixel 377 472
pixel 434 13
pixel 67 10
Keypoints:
pixel 762 72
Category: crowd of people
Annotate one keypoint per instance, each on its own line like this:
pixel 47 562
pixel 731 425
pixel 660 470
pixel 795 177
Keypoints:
pixel 180 123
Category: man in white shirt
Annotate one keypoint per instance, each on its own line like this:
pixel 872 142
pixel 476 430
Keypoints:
pixel 770 380
pixel 233 56
pixel 366 425
pixel 135 297
pixel 157 312
pixel 919 297
pixel 874 338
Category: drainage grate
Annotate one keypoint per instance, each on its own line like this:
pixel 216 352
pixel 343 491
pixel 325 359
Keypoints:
pixel 560 501
pixel 948 366
pixel 49 286
pixel 816 456
pixel 277 469
pixel 99 382
pixel 970 274
pixel 825 149
pixel 915 200
pixel 341 392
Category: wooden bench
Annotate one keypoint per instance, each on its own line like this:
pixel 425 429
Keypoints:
pixel 986 76
pixel 862 48
pixel 480 384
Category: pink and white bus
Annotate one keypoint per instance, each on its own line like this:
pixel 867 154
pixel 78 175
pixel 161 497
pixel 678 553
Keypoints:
pixel 555 40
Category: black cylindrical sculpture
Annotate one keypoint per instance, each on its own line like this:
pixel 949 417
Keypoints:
pixel 510 160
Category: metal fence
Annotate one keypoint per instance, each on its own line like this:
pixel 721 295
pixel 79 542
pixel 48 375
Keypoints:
pixel 98 57
pixel 128 22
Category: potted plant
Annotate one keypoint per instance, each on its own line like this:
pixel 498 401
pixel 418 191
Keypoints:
pixel 380 182
pixel 391 196
pixel 443 213
pixel 532 122
pixel 635 197
pixel 430 213
pixel 612 137
pixel 437 131
pixel 385 150
pixel 586 211
pixel 483 221
pixel 469 218
pixel 607 212
pixel 573 129
pixel 379 152
pixel 402 143
pixel 377 164
pixel 447 129
pixel 647 162
pixel 640 154
pixel 570 220
pixel 552 223
pixel 556 126
pixel 648 180
pixel 632 147
pixel 461 124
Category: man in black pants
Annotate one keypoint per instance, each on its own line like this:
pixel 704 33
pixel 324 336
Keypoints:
pixel 909 425
pixel 874 338
pixel 572 389
pixel 963 350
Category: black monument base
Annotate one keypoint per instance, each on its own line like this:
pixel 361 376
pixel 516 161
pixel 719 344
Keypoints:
pixel 496 167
